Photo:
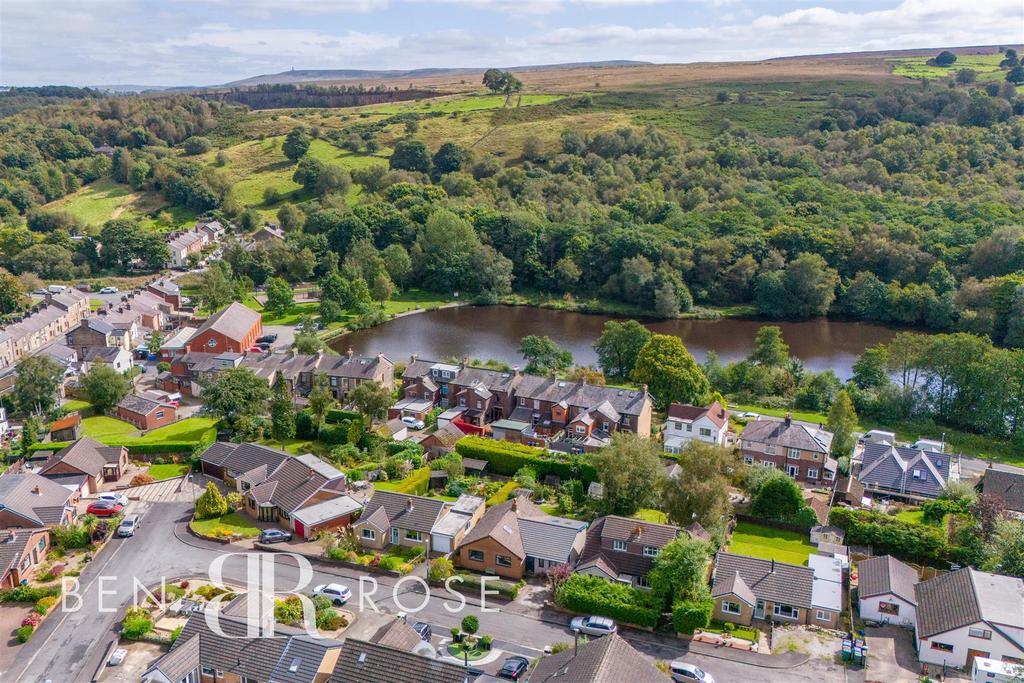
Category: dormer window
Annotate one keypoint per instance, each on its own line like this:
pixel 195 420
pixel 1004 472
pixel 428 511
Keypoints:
pixel 650 551
pixel 619 546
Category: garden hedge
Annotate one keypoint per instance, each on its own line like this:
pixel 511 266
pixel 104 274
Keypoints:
pixel 335 416
pixel 29 593
pixel 505 589
pixel 690 615
pixel 891 536
pixel 417 483
pixel 507 458
pixel 593 595
pixel 502 494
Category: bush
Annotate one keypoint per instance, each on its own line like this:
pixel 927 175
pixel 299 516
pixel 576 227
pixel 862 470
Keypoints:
pixel 417 483
pixel 505 589
pixel 31 619
pixel 140 479
pixel 440 569
pixel 288 611
pixel 485 642
pixel 66 537
pixel 593 595
pixel 29 594
pixel 24 633
pixel 502 494
pixel 891 536
pixel 328 620
pixel 470 624
pixel 303 425
pixel 690 615
pixel 137 623
pixel 211 504
pixel 335 416
pixel 506 457
pixel 175 633
pixel 44 605
pixel 730 627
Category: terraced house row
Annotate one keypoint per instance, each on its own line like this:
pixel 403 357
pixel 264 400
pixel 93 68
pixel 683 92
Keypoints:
pixel 539 411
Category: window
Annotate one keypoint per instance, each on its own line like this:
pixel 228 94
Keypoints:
pixel 770 450
pixel 212 343
pixel 979 633
pixel 689 427
pixel 704 431
pixel 580 429
pixel 479 404
pixel 412 535
pixel 368 534
pixel 730 607
pixel 522 401
pixel 476 555
pixel 462 401
pixel 822 615
pixel 503 560
pixel 642 582
pixel 793 454
pixel 941 647
pixel 650 551
pixel 334 381
pixel 159 414
pixel 41 544
pixel 829 474
pixel 889 608
pixel 786 612
pixel 769 463
pixel 619 545
pixel 604 426
pixel 207 670
pixel 679 426
pixel 536 404
pixel 747 459
pixel 812 474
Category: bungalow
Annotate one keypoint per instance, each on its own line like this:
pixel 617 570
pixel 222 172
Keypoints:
pixel 21 552
pixel 885 591
pixel 907 473
pixel 623 549
pixel 366 662
pixel 686 423
pixel 85 464
pixel 228 461
pixel 145 413
pixel 67 428
pixel 399 519
pixel 517 537
pixel 610 659
pixel 235 327
pixel 29 501
pixel 448 532
pixel 1007 486
pixel 746 589
pixel 967 614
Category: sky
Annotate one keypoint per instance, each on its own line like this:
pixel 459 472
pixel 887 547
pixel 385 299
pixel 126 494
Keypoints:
pixel 206 42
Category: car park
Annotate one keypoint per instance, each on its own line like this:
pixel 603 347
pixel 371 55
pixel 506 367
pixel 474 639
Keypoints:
pixel 104 508
pixel 593 626
pixel 129 525
pixel 114 496
pixel 514 668
pixel 335 592
pixel 413 422
pixel 274 536
pixel 683 672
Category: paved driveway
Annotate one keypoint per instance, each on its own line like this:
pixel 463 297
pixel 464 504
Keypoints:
pixel 167 491
pixel 891 656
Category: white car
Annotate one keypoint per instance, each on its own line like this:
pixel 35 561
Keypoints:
pixel 117 657
pixel 109 290
pixel 593 626
pixel 118 498
pixel 688 673
pixel 335 592
pixel 413 422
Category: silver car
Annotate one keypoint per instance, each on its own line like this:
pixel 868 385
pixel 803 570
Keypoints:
pixel 129 525
pixel 593 626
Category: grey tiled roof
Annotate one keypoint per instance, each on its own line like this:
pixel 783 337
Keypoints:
pixel 85 455
pixel 12 548
pixel 1007 485
pixel 624 401
pixel 603 660
pixel 893 468
pixel 617 528
pixel 18 494
pixel 965 597
pixel 767 580
pixel 884 575
pixel 138 404
pixel 397 633
pixel 788 435
pixel 552 538
pixel 243 457
pixel 363 662
pixel 422 516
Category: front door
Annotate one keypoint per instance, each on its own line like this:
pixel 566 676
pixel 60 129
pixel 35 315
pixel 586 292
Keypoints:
pixel 971 654
pixel 792 470
pixel 759 610
pixel 394 535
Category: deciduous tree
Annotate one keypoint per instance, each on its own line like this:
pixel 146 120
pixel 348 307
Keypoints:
pixel 105 386
pixel 670 372
pixel 630 472
pixel 236 393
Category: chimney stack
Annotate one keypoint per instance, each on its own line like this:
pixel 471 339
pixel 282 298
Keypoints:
pixel 515 370
pixel 35 490
pixel 412 358
pixel 408 504
pixel 350 353
pixel 789 419
pixel 645 388
pixel 464 362
pixel 515 504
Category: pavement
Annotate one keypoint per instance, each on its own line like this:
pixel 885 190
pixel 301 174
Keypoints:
pixel 70 644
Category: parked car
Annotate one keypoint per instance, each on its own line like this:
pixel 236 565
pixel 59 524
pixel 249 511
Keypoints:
pixel 593 626
pixel 413 422
pixel 267 339
pixel 264 346
pixel 41 292
pixel 117 657
pixel 424 630
pixel 688 673
pixel 335 592
pixel 514 668
pixel 104 508
pixel 118 498
pixel 274 536
pixel 109 290
pixel 129 525
pixel 255 349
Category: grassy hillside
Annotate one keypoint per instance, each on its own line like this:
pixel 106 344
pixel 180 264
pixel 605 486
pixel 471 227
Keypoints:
pixel 987 67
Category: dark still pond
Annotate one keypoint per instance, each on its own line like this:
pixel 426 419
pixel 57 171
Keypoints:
pixel 485 332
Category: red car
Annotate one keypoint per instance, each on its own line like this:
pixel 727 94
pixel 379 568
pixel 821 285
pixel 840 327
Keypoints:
pixel 104 508
pixel 255 349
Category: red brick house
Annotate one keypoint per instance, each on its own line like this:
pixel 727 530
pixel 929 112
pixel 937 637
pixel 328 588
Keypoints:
pixel 145 413
pixel 21 552
pixel 86 458
pixel 233 328
pixel 29 501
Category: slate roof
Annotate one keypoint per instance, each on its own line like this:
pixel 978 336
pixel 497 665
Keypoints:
pixel 17 494
pixel 364 662
pixel 243 457
pixel 603 660
pixel 789 434
pixel 85 455
pixel 892 468
pixel 12 548
pixel 291 483
pixel 422 516
pixel 967 596
pixel 886 575
pixel 260 658
pixel 233 321
pixel 105 354
pixel 139 404
pixel 447 435
pixel 616 528
pixel 581 395
pixel 527 531
pixel 97 324
pixel 733 584
pixel 1007 485
pixel 687 413
pixel 767 580
pixel 397 633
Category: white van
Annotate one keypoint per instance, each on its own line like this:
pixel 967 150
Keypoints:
pixel 986 670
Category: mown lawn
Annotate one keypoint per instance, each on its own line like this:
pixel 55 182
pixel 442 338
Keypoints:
pixel 755 540
pixel 77 404
pixel 102 200
pixel 412 299
pixel 167 471
pixel 189 429
pixel 805 416
pixel 293 446
pixel 232 523
pixel 100 426
pixel 648 515
pixel 289 317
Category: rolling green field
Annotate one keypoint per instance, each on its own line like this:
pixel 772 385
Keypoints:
pixel 987 67
pixel 105 199
pixel 770 544
pixel 458 104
